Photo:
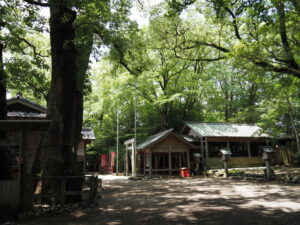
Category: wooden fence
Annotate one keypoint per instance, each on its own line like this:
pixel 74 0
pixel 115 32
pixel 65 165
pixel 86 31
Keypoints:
pixel 88 191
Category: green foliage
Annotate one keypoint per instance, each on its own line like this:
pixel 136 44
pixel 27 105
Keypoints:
pixel 214 61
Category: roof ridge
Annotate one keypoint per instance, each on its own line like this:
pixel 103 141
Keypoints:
pixel 249 124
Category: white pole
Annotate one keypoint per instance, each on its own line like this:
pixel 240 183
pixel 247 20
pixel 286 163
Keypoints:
pixel 117 163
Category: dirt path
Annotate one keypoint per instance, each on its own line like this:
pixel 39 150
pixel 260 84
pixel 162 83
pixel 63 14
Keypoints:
pixel 202 201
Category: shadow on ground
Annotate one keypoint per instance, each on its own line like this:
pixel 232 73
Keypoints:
pixel 192 201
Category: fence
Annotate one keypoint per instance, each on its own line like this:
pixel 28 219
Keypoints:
pixel 89 185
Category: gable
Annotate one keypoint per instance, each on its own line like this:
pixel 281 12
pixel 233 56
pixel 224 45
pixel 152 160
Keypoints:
pixel 20 104
pixel 19 107
pixel 170 141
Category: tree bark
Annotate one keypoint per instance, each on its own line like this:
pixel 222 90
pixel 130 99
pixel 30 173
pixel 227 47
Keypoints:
pixel 292 118
pixel 58 156
pixel 3 108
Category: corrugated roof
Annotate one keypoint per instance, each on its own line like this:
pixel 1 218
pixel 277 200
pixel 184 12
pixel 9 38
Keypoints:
pixel 226 129
pixel 87 133
pixel 153 139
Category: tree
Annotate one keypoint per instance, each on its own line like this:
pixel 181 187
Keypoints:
pixel 263 33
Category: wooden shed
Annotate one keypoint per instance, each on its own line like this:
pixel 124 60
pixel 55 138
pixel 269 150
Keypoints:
pixel 17 155
pixel 165 152
pixel 243 140
pixel 19 108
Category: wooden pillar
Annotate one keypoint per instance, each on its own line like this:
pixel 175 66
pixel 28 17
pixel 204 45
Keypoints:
pixel 144 155
pixel 170 161
pixel 126 162
pixel 150 163
pixel 133 161
pixel 188 159
pixel 202 154
pixel 180 160
pixel 138 164
pixel 228 144
pixel 249 149
pixel 206 152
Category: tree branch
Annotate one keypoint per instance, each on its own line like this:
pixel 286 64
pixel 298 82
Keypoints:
pixel 270 67
pixel 32 46
pixel 234 22
pixel 284 38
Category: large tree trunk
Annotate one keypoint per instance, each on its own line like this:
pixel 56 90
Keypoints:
pixel 3 110
pixel 293 123
pixel 58 156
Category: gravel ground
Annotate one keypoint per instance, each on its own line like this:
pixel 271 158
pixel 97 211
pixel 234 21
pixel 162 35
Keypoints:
pixel 204 201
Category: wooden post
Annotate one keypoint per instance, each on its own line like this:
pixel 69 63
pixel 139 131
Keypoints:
pixel 133 161
pixel 180 160
pixel 226 168
pixel 145 163
pixel 202 156
pixel 249 149
pixel 268 169
pixel 150 163
pixel 93 188
pixel 170 161
pixel 126 162
pixel 206 152
pixel 188 159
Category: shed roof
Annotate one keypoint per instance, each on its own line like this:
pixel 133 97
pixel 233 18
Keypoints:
pixel 153 139
pixel 25 102
pixel 29 111
pixel 226 129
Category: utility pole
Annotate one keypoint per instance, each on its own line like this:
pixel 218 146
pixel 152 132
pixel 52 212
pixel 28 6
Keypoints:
pixel 134 144
pixel 117 160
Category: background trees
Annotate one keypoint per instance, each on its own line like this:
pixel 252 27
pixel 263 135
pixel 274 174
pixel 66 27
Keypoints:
pixel 217 60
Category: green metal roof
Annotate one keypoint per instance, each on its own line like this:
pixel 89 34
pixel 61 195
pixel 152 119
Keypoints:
pixel 225 129
pixel 153 139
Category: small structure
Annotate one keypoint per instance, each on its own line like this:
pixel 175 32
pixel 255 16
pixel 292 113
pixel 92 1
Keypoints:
pixel 24 130
pixel 267 155
pixel 107 162
pixel 226 153
pixel 164 152
pixel 243 140
pixel 19 108
pixel 130 157
pixel 87 136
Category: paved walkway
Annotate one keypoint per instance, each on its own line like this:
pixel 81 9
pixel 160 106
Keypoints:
pixel 202 201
